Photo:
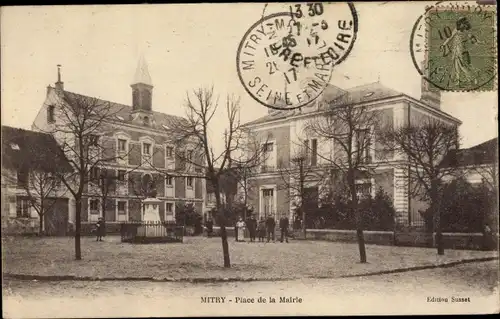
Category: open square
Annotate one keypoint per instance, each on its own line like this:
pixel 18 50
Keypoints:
pixel 200 258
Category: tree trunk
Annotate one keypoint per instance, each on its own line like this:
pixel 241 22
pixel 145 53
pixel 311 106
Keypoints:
pixel 304 221
pixel 438 230
pixel 223 233
pixel 437 217
pixel 358 219
pixel 225 247
pixel 78 226
pixel 40 225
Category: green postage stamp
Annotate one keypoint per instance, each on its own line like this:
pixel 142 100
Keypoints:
pixel 461 48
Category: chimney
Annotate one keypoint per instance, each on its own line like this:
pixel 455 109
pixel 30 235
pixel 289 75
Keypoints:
pixel 59 83
pixel 429 94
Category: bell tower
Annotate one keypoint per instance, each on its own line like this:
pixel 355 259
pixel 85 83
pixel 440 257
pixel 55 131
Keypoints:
pixel 142 88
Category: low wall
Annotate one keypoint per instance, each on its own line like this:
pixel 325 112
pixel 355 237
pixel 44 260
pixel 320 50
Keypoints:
pixel 371 237
pixel 414 239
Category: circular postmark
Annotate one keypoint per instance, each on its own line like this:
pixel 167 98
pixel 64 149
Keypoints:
pixel 453 47
pixel 286 59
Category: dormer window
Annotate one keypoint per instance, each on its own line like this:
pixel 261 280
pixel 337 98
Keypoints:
pixel 50 114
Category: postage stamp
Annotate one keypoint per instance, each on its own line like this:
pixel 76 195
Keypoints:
pixel 456 46
pixel 286 59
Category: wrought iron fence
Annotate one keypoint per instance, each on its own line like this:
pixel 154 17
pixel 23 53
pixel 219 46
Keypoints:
pixel 151 232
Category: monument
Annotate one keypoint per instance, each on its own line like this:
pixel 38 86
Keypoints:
pixel 152 226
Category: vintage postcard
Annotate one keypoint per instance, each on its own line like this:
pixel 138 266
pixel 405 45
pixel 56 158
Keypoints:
pixel 302 158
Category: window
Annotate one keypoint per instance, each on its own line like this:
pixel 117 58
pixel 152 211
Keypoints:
pixel 169 152
pixel 168 180
pixel 146 149
pixel 314 152
pixel 22 207
pixel 93 140
pixel 363 145
pixel 122 208
pixel 267 147
pixel 189 155
pixel 169 207
pixel 169 211
pixel 122 145
pixel 22 177
pixel 363 189
pixel 94 206
pixel 94 173
pixel 121 175
pixel 50 114
pixel 189 181
pixel 146 120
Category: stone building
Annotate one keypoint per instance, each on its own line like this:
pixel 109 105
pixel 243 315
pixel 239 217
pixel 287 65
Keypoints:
pixel 145 153
pixel 283 129
pixel 29 160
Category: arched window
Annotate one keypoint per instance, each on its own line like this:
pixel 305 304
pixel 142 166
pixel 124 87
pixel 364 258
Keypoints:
pixel 146 120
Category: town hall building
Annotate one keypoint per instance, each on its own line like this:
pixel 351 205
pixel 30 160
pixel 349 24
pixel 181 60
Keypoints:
pixel 145 152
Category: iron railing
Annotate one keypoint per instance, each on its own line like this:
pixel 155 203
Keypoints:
pixel 149 232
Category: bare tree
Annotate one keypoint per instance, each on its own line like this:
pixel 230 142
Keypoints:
pixel 78 123
pixel 41 187
pixel 423 146
pixel 350 128
pixel 193 136
pixel 296 176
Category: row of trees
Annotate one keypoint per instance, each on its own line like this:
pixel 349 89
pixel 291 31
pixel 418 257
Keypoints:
pixel 419 149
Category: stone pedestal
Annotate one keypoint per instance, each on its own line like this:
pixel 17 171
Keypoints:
pixel 151 218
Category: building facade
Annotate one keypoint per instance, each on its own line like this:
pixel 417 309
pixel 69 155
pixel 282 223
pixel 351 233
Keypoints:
pixel 283 132
pixel 141 142
pixel 29 161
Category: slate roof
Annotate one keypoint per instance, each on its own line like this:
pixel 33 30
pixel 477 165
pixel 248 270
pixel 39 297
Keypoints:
pixel 363 93
pixel 31 150
pixel 123 113
pixel 484 153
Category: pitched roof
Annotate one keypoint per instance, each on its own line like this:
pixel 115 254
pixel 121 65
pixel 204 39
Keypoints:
pixel 123 113
pixel 31 150
pixel 363 93
pixel 484 153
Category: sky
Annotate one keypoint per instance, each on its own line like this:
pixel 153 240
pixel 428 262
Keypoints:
pixel 188 46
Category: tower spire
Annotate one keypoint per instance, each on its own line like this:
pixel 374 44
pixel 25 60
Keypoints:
pixel 142 72
pixel 142 87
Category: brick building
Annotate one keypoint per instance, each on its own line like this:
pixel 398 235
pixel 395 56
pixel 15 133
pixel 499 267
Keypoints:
pixel 145 151
pixel 283 129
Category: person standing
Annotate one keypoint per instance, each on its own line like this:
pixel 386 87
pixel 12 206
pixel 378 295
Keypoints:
pixel 284 228
pixel 252 227
pixel 240 232
pixel 262 229
pixel 270 227
pixel 100 229
pixel 210 226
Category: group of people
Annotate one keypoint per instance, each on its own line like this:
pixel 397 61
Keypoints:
pixel 262 228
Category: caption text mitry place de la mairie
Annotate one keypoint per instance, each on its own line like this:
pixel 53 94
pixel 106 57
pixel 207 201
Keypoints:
pixel 251 300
